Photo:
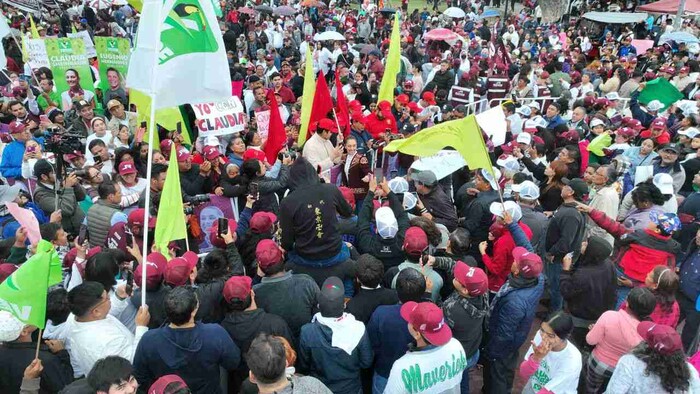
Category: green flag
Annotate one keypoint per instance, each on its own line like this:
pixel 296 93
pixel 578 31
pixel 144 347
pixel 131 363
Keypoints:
pixel 24 292
pixel 171 217
pixel 463 135
pixel 662 90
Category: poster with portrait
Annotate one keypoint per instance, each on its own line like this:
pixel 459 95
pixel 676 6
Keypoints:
pixel 71 70
pixel 209 212
pixel 113 57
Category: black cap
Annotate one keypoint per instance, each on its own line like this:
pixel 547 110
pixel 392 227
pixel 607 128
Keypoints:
pixel 42 167
pixel 578 185
pixel 331 302
pixel 672 147
pixel 253 79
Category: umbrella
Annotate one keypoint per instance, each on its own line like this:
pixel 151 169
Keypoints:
pixel 387 10
pixel 492 13
pixel 265 9
pixel 455 12
pixel 679 36
pixel 284 11
pixel 246 10
pixel 440 34
pixel 369 48
pixel 329 36
pixel 313 3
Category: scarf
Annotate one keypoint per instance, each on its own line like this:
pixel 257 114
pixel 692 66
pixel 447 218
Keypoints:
pixel 346 331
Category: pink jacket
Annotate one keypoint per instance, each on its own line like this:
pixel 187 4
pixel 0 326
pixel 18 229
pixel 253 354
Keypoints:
pixel 613 335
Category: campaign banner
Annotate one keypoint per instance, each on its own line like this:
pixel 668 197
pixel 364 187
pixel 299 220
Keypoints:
pixel 89 45
pixel 71 70
pixel 37 53
pixel 224 117
pixel 33 6
pixel 209 212
pixel 113 57
pixel 262 119
pixel 461 95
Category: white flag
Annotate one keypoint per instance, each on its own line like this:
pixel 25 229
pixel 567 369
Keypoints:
pixel 179 55
pixel 4 31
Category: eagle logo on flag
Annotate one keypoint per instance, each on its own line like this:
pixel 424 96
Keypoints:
pixel 185 30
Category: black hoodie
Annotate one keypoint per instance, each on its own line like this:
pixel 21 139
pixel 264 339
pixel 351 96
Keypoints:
pixel 308 215
pixel 590 288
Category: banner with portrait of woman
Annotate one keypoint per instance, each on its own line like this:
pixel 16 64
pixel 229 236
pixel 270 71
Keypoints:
pixel 71 70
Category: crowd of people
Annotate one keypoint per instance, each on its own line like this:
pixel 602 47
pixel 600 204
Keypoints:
pixel 569 266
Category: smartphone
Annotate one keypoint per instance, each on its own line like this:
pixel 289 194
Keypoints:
pixel 379 174
pixel 222 226
pixel 44 118
pixel 424 257
pixel 143 124
pixel 31 149
pixel 82 235
pixel 129 237
pixel 97 159
pixel 253 189
pixel 129 282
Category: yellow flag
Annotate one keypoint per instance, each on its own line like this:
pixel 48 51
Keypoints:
pixel 35 32
pixel 137 4
pixel 166 117
pixel 463 135
pixel 72 29
pixel 393 64
pixel 170 225
pixel 307 98
pixel 25 50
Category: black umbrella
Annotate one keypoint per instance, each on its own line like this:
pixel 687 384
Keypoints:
pixel 387 11
pixel 265 9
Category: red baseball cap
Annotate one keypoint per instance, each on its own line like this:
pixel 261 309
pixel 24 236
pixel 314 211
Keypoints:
pixel 127 167
pixel 473 279
pixel 429 97
pixel 402 99
pixel 662 338
pixel 327 124
pixel 355 104
pixel 214 238
pixel 358 117
pixel 16 127
pixel 529 264
pixel 659 123
pixel 635 124
pixel 165 145
pixel 237 287
pixel 414 107
pixel 73 155
pixel 384 106
pixel 415 241
pixel 251 153
pixel 160 385
pixel 137 218
pixel 684 70
pixel 427 318
pixel 178 271
pixel 6 269
pixel 211 152
pixel 267 253
pixel 183 154
pixel 73 253
pixel 544 75
pixel 154 275
pixel 262 222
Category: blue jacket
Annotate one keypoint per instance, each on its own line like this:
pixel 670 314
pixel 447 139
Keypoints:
pixel 331 365
pixel 195 354
pixel 512 313
pixel 362 137
pixel 11 164
pixel 388 333
pixel 638 113
pixel 689 276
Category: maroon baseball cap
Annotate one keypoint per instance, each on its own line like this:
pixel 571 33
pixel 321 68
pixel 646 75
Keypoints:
pixel 267 253
pixel 659 123
pixel 635 124
pixel 127 167
pixel 237 287
pixel 415 241
pixel 473 279
pixel 427 318
pixel 166 145
pixel 6 269
pixel 183 154
pixel 626 132
pixel 529 264
pixel 73 253
pixel 167 384
pixel 73 155
pixel 662 338
pixel 159 260
pixel 262 222
pixel 217 241
pixel 137 218
pixel 16 127
pixel 179 269
pixel 211 152
pixel 154 275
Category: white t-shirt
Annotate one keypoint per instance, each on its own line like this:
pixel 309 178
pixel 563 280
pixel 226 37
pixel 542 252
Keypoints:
pixel 437 370
pixel 558 371
pixel 629 377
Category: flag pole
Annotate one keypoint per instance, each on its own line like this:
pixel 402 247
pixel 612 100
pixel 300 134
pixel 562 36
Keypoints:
pixel 38 343
pixel 149 165
pixel 336 122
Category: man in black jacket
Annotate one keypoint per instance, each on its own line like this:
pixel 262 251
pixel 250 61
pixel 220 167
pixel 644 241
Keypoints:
pixel 564 236
pixel 476 214
pixel 371 294
pixel 194 179
pixel 436 202
pixel 17 352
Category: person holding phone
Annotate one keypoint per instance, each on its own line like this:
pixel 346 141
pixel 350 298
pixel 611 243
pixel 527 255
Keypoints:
pixel 319 150
pixel 121 117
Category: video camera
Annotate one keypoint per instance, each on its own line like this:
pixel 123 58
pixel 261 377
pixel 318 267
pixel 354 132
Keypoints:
pixel 61 142
pixel 196 199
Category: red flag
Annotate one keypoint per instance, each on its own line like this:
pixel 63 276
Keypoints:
pixel 276 135
pixel 341 109
pixel 323 103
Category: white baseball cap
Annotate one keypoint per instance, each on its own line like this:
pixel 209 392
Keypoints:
pixel 493 181
pixel 612 96
pixel 10 327
pixel 527 190
pixel 596 122
pixel 509 163
pixel 690 132
pixel 409 201
pixel 387 225
pixel 398 185
pixel 523 110
pixel 664 182
pixel 655 105
pixel 524 138
pixel 512 207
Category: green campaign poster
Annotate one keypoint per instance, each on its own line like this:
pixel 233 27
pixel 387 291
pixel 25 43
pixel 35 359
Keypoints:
pixel 113 57
pixel 71 70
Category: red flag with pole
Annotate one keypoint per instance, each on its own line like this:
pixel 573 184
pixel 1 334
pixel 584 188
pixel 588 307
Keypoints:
pixel 276 135
pixel 323 103
pixel 341 108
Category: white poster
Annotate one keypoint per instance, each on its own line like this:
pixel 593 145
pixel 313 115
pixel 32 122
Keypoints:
pixel 493 122
pixel 225 117
pixel 37 53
